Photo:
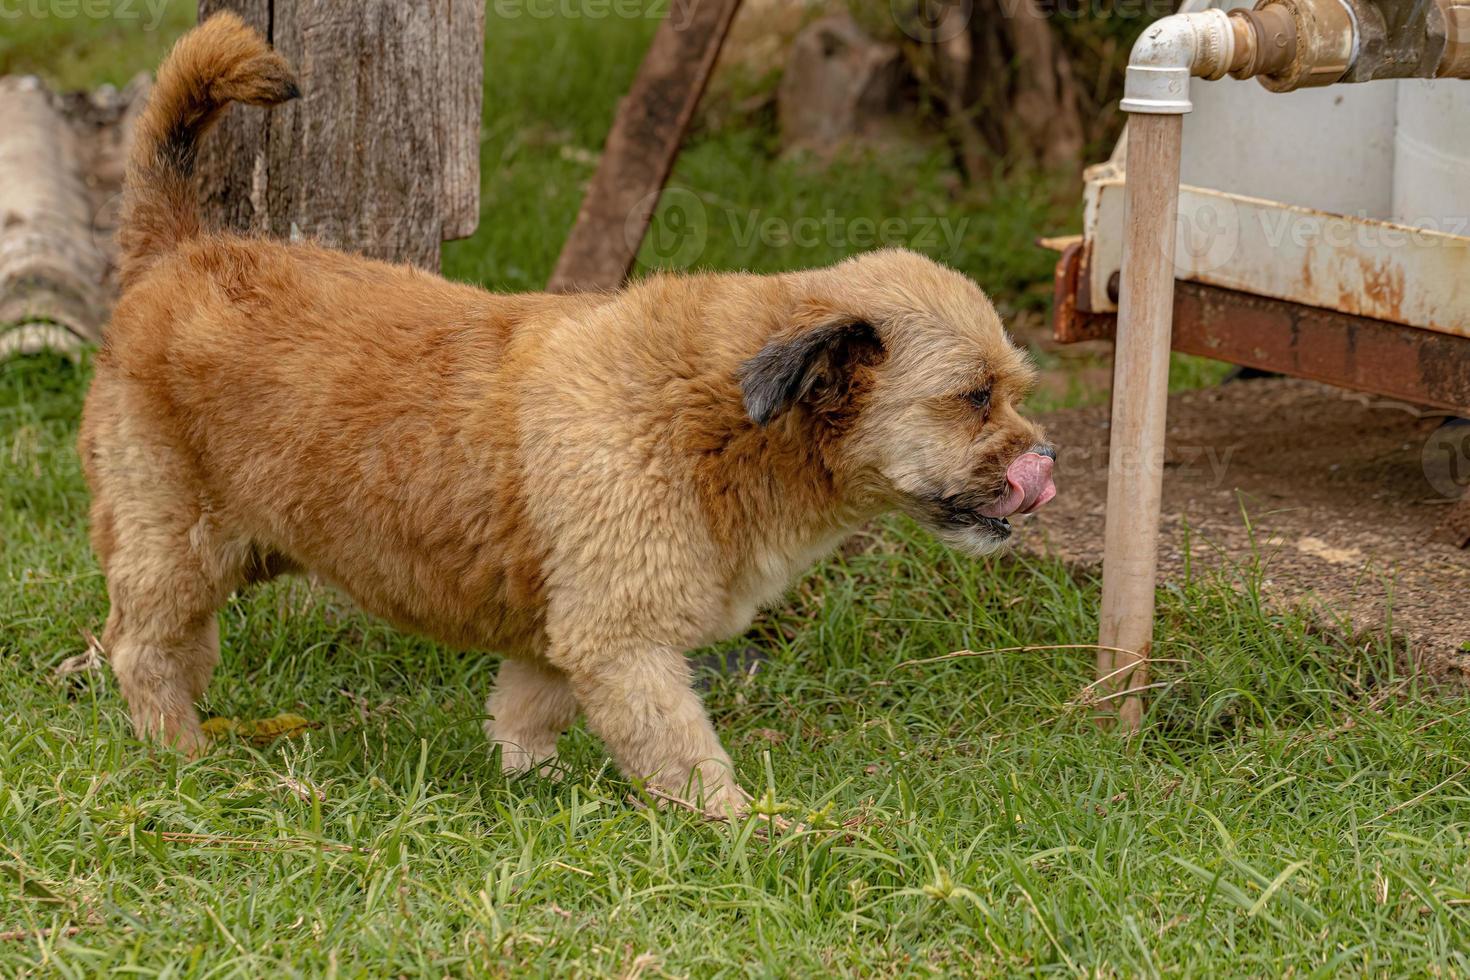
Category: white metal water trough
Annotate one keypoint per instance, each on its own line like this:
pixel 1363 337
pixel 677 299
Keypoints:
pixel 1316 231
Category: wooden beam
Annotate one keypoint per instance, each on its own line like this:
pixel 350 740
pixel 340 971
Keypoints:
pixel 1140 406
pixel 642 146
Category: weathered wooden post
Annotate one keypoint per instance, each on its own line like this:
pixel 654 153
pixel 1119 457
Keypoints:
pixel 642 146
pixel 381 155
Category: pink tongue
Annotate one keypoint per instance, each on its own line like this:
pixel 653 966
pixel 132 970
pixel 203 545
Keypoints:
pixel 1028 486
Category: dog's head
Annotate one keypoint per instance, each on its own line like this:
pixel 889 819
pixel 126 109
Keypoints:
pixel 906 369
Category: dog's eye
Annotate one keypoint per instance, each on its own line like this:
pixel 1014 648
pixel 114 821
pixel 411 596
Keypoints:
pixel 980 399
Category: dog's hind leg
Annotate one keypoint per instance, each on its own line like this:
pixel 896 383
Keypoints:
pixel 162 667
pixel 167 575
pixel 530 708
pixel 162 635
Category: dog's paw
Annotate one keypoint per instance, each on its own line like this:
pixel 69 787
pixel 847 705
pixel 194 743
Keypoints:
pixel 727 801
pixel 516 760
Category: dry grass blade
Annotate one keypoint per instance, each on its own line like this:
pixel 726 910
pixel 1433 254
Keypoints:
pixel 23 935
pixel 639 965
pixel 250 843
pixel 1440 720
pixel 1421 797
pixel 92 658
pixel 962 654
pixel 1121 694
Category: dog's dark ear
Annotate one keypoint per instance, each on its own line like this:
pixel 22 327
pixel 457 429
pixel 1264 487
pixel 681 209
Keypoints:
pixel 813 365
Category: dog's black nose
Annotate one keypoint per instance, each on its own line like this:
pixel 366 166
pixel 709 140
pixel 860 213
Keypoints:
pixel 1046 451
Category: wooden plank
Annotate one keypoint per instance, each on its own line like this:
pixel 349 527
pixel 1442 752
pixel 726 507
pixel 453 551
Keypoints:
pixel 1140 406
pixel 642 146
pixel 461 92
pixel 232 157
pixel 347 161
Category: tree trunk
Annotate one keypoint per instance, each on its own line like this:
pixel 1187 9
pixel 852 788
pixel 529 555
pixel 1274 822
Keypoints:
pixel 380 156
pixel 1005 81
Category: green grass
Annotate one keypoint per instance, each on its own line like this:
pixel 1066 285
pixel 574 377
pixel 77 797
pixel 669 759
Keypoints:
pixel 1295 805
pixel 80 44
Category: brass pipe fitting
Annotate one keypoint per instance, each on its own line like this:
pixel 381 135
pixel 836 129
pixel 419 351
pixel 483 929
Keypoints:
pixel 1265 40
pixel 1325 43
pixel 1451 18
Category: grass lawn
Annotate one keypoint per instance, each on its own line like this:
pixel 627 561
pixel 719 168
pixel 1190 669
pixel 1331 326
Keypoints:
pixel 1295 805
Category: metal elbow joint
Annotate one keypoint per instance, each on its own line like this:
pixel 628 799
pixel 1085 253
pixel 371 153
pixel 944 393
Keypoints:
pixel 1168 53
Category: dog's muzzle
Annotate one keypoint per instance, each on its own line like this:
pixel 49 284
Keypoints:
pixel 1028 487
pixel 1028 484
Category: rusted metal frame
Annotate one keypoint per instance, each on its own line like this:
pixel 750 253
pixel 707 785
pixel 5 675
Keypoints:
pixel 1362 266
pixel 1419 366
pixel 1072 322
pixel 1455 529
pixel 642 146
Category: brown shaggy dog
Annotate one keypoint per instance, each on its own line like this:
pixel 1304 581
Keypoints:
pixel 589 486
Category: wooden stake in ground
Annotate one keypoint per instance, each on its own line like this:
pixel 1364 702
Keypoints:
pixel 1140 402
pixel 380 156
pixel 51 269
pixel 642 146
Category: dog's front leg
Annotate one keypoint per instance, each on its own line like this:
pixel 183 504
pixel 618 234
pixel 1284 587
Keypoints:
pixel 640 700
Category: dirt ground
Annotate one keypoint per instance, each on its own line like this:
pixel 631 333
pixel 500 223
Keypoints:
pixel 1341 496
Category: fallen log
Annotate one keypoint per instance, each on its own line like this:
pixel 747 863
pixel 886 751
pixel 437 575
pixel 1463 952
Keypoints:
pixel 51 270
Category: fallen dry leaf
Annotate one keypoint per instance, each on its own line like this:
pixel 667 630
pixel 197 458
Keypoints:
pixel 259 731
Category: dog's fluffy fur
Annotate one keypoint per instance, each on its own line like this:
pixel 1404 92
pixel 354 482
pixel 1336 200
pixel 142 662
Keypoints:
pixel 588 485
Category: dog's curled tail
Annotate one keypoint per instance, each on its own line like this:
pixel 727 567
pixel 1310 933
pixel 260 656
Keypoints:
pixel 219 62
